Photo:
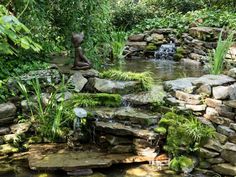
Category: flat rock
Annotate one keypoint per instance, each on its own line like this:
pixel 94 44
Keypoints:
pixel 136 37
pixel 213 80
pixel 230 146
pixel 220 92
pixel 231 103
pixel 127 115
pixel 225 130
pixel 155 95
pixel 232 73
pixel 48 158
pixel 184 84
pixel 7 113
pixel 123 130
pixel 4 130
pixel 197 108
pixel 213 145
pixel 213 102
pixel 7 149
pixel 89 73
pixel 229 156
pixel 205 153
pixel 225 169
pixel 188 98
pixel 111 86
pixel 78 81
pixel 139 45
pixel 233 126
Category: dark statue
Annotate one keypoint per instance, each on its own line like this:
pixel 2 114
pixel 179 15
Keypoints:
pixel 80 62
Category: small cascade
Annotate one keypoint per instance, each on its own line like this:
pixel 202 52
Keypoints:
pixel 166 52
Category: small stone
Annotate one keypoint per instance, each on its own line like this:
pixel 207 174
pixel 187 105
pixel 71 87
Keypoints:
pixel 221 138
pixel 232 73
pixel 220 92
pixel 233 126
pixel 157 37
pixel 204 89
pixel 213 102
pixel 80 112
pixel 20 127
pixel 225 130
pixel 205 153
pixel 211 111
pixel 89 73
pixel 7 113
pixel 230 146
pixel 232 139
pixel 136 37
pixel 196 108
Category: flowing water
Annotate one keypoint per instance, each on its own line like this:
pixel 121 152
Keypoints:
pixel 162 70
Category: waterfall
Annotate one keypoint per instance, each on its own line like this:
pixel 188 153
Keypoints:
pixel 166 52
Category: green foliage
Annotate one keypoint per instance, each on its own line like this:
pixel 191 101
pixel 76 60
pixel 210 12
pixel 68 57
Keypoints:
pixel 217 59
pixel 118 44
pixel 52 117
pixel 184 133
pixel 98 99
pixel 182 163
pixel 13 34
pixel 144 78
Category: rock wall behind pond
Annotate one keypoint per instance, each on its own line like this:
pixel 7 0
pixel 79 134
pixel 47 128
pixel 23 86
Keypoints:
pixel 194 45
pixel 212 98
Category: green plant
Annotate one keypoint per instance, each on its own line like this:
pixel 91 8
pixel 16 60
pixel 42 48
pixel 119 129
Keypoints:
pixel 118 44
pixel 52 117
pixel 184 134
pixel 98 99
pixel 144 78
pixel 218 56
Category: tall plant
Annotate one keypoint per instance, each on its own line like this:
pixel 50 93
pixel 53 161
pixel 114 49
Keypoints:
pixel 218 56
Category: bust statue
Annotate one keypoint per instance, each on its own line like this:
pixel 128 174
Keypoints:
pixel 80 61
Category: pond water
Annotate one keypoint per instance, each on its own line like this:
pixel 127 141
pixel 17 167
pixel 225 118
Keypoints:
pixel 162 70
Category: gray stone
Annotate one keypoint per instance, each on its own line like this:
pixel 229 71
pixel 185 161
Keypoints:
pixel 123 130
pixel 89 73
pixel 114 140
pixel 213 144
pixel 172 101
pixel 7 110
pixel 225 130
pixel 184 84
pixel 225 169
pixel 188 98
pixel 197 108
pixel 220 92
pixel 232 139
pixel 221 138
pixel 197 57
pixel 216 160
pixel 78 81
pixel 136 37
pixel 4 130
pixel 218 120
pixel 232 91
pixel 225 111
pixel 154 96
pixel 204 165
pixel 213 102
pixel 213 80
pixel 205 153
pixel 206 122
pixel 109 86
pixel 64 96
pixel 231 103
pixel 157 37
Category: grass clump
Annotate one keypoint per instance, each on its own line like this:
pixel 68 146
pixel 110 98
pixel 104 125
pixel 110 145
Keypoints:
pixel 144 78
pixel 218 56
pixel 184 135
pixel 97 99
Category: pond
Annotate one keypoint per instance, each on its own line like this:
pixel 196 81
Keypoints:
pixel 162 70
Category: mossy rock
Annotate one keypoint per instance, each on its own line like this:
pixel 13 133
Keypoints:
pixel 178 57
pixel 151 47
pixel 182 163
pixel 180 50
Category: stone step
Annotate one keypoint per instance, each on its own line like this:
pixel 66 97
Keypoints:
pixel 124 130
pixel 49 157
pixel 128 115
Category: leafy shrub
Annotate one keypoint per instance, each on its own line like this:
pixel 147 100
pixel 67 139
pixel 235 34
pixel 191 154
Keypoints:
pixel 144 78
pixel 184 134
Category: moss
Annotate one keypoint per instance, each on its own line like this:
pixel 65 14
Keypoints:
pixel 178 57
pixel 182 163
pixel 160 130
pixel 144 78
pixel 98 99
pixel 151 47
pixel 180 50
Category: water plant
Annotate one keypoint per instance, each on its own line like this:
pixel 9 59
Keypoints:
pixel 218 56
pixel 49 118
pixel 144 78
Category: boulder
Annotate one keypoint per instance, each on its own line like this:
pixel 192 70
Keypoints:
pixel 213 80
pixel 110 86
pixel 225 169
pixel 78 81
pixel 220 92
pixel 7 113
